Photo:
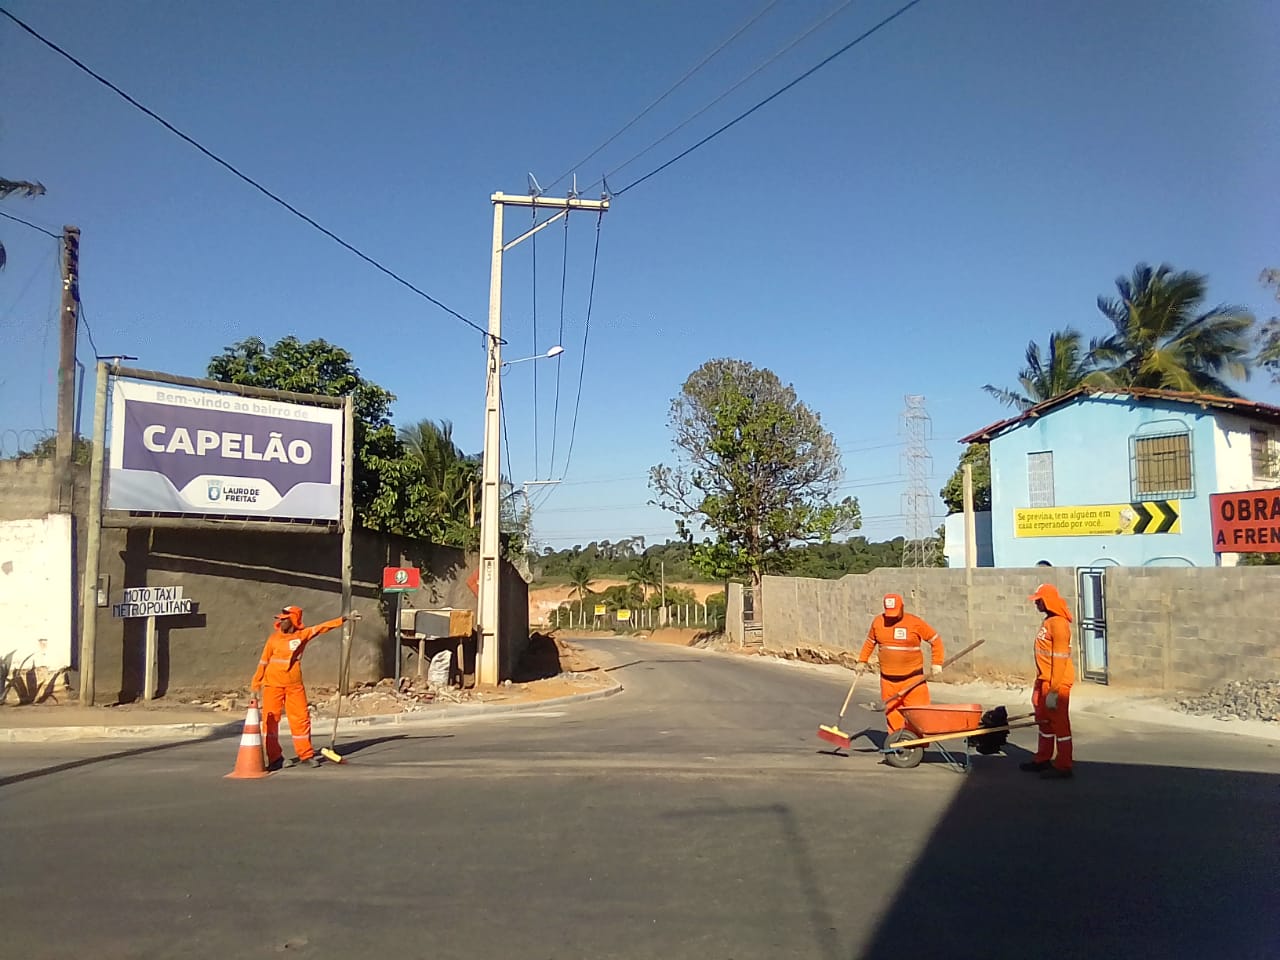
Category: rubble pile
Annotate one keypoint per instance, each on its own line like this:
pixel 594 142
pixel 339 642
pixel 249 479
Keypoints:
pixel 384 696
pixel 1237 700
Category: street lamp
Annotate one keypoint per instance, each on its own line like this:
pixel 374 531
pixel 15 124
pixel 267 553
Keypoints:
pixel 549 355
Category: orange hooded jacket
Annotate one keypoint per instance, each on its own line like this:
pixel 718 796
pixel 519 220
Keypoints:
pixel 281 663
pixel 1054 664
pixel 899 635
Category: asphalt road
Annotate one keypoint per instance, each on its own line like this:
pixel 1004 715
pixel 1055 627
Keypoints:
pixel 694 815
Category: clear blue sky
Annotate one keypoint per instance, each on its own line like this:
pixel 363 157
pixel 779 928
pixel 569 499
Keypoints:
pixel 972 177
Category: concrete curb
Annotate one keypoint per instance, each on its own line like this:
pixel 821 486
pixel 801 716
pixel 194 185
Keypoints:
pixel 212 731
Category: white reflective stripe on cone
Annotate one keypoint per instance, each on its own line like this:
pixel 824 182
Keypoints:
pixel 251 740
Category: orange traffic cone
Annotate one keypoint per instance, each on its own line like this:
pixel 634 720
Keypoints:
pixel 249 763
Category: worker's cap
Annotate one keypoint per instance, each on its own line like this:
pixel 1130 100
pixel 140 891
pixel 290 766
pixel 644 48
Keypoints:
pixel 1052 599
pixel 893 605
pixel 291 615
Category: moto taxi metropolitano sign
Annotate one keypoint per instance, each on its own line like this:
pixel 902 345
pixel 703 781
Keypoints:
pixel 175 450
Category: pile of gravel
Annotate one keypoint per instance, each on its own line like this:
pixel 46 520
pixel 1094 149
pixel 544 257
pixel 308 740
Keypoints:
pixel 1237 700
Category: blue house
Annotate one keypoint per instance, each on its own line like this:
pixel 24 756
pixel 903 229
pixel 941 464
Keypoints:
pixel 1098 477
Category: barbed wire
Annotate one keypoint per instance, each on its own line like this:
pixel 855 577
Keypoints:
pixel 23 444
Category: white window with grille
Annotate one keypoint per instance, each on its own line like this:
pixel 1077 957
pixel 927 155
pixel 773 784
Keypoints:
pixel 1264 451
pixel 1040 479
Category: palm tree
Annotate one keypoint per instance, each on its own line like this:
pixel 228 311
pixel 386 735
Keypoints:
pixel 580 582
pixel 23 188
pixel 643 576
pixel 1066 367
pixel 1164 340
pixel 448 475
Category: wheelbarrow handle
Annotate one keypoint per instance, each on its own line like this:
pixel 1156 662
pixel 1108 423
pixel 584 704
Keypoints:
pixel 898 698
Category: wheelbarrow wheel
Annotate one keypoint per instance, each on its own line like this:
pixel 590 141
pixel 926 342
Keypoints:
pixel 906 758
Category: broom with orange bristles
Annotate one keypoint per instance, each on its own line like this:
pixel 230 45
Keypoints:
pixel 833 734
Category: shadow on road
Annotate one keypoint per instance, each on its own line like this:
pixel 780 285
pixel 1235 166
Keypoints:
pixel 116 755
pixel 821 920
pixel 648 660
pixel 353 747
pixel 1123 861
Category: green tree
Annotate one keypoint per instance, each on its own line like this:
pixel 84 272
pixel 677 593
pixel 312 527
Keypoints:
pixel 46 449
pixel 1269 334
pixel 643 575
pixel 580 580
pixel 445 483
pixel 978 454
pixel 1066 366
pixel 22 188
pixel 755 466
pixel 1164 339
pixel 382 476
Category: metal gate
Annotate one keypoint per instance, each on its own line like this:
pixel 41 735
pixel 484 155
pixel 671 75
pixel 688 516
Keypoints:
pixel 1093 624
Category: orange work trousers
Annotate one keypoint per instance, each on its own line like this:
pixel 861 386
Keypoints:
pixel 292 701
pixel 1055 727
pixel 889 691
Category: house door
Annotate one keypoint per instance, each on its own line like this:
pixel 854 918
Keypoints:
pixel 1093 624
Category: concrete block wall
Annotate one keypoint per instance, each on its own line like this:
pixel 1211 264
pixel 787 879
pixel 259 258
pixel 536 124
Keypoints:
pixel 1191 629
pixel 962 605
pixel 1169 628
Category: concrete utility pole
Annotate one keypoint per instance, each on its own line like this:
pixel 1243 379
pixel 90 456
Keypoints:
pixel 68 317
pixel 487 655
pixel 970 521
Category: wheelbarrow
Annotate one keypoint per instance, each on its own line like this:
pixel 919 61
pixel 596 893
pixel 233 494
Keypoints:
pixel 939 722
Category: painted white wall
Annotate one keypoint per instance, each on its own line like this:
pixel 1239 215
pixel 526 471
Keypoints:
pixel 35 590
pixel 953 534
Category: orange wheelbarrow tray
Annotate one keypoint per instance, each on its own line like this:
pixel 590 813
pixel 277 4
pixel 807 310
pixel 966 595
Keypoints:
pixel 937 722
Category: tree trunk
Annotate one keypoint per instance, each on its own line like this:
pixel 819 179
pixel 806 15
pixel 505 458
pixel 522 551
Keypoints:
pixel 757 594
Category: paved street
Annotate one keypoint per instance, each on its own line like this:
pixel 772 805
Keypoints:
pixel 694 815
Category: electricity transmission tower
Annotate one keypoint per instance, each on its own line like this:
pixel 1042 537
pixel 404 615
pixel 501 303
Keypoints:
pixel 920 547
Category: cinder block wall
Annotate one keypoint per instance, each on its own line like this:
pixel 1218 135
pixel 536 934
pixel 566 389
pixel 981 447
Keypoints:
pixel 1192 628
pixel 1169 628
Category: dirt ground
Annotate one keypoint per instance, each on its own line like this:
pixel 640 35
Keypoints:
pixel 550 668
pixel 542 600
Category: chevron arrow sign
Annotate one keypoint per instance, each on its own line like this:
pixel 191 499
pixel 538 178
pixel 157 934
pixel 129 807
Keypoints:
pixel 1140 518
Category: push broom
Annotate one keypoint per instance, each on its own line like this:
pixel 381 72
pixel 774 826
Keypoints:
pixel 330 752
pixel 833 734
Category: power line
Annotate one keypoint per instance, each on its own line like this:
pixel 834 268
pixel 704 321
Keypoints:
pixel 773 96
pixel 803 35
pixel 84 319
pixel 534 240
pixel 670 90
pixel 564 276
pixel 243 176
pixel 586 332
pixel 28 223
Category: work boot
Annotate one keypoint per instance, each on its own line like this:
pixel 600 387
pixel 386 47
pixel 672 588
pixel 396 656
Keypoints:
pixel 314 761
pixel 1034 766
pixel 276 764
pixel 291 762
pixel 1057 773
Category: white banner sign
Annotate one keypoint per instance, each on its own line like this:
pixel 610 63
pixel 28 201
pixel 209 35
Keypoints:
pixel 152 602
pixel 176 450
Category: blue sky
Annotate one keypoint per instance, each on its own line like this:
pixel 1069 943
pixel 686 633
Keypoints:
pixel 972 177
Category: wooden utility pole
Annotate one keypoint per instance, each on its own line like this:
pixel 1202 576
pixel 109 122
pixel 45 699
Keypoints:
pixel 68 322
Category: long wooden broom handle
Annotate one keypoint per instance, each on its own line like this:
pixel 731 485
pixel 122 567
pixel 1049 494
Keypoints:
pixel 857 675
pixel 898 698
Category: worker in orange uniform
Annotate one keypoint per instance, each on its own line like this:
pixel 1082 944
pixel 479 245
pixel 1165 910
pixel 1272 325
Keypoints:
pixel 1051 696
pixel 897 636
pixel 279 677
